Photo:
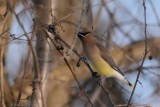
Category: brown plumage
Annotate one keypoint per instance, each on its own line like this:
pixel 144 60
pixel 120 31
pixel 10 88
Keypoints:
pixel 99 57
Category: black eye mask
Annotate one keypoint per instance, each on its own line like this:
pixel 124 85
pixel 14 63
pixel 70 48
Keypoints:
pixel 82 34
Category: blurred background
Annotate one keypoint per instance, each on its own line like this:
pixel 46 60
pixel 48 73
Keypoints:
pixel 39 70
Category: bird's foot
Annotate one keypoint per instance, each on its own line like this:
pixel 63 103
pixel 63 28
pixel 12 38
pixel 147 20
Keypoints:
pixel 95 75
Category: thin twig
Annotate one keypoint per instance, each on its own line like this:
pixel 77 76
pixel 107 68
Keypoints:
pixel 145 54
pixel 78 27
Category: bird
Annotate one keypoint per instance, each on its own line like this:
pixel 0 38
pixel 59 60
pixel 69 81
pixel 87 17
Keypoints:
pixel 99 58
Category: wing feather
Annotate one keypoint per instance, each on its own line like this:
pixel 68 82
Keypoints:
pixel 105 54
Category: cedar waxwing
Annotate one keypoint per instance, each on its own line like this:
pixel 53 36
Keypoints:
pixel 99 58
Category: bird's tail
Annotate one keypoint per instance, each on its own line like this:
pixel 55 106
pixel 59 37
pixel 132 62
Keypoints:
pixel 122 78
pixel 126 81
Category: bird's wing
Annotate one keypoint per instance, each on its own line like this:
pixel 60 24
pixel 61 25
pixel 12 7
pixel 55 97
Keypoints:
pixel 105 54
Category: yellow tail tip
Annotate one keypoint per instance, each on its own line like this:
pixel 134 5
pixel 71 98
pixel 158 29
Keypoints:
pixel 130 85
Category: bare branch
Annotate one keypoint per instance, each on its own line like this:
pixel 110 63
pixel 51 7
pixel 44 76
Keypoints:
pixel 145 54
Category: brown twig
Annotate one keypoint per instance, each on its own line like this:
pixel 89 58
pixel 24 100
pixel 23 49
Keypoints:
pixel 145 54
pixel 78 27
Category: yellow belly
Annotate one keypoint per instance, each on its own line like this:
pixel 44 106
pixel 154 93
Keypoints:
pixel 101 66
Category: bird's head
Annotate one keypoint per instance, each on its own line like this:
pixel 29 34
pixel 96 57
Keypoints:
pixel 87 38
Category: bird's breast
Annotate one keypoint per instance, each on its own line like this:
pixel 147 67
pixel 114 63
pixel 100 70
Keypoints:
pixel 98 64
